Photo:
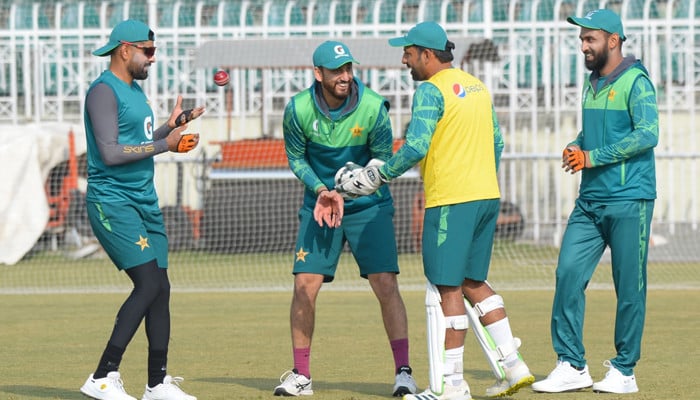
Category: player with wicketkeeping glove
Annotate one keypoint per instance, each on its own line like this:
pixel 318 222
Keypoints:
pixel 331 130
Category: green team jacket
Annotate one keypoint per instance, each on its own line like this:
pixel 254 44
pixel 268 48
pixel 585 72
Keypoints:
pixel 319 141
pixel 620 129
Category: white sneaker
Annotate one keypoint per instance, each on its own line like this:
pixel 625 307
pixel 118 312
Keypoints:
pixel 110 387
pixel 449 392
pixel 564 378
pixel 294 384
pixel 404 383
pixel 517 377
pixel 615 382
pixel 168 390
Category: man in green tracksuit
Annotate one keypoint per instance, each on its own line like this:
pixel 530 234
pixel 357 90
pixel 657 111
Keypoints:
pixel 615 152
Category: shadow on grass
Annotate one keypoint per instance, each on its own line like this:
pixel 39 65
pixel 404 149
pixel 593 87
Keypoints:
pixel 41 391
pixel 268 385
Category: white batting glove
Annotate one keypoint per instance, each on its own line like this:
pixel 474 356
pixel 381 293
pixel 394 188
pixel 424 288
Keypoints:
pixel 364 182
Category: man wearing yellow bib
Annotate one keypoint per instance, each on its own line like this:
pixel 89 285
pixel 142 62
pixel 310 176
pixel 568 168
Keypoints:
pixel 455 137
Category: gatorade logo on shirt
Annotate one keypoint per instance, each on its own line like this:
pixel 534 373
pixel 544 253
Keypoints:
pixel 148 127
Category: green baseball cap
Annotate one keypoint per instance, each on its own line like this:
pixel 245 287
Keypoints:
pixel 332 55
pixel 425 34
pixel 131 31
pixel 602 19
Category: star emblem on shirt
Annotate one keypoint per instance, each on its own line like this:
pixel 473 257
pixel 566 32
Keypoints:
pixel 143 242
pixel 611 94
pixel 301 254
pixel 356 130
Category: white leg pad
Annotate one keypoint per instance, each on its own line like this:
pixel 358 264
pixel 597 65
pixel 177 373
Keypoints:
pixel 436 338
pixel 484 307
pixel 485 340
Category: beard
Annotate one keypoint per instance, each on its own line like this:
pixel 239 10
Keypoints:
pixel 598 61
pixel 332 90
pixel 417 76
pixel 138 72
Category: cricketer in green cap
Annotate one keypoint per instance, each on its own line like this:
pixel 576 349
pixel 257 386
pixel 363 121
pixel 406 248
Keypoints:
pixel 128 31
pixel 602 19
pixel 332 55
pixel 425 34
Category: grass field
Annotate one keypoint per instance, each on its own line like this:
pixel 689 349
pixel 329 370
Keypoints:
pixel 514 266
pixel 235 345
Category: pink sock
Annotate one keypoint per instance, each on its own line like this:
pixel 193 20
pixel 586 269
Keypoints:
pixel 400 349
pixel 301 361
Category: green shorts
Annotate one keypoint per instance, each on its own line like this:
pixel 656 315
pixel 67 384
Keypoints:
pixel 457 241
pixel 131 236
pixel 369 233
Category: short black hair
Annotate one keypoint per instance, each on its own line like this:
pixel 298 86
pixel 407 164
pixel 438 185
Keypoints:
pixel 442 55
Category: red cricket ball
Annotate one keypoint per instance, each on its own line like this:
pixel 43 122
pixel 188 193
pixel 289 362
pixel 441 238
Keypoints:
pixel 221 77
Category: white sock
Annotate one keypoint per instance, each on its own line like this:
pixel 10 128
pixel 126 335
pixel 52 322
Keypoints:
pixel 454 367
pixel 503 336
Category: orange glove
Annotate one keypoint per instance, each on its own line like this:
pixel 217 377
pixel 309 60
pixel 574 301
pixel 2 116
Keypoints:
pixel 574 159
pixel 329 208
pixel 187 142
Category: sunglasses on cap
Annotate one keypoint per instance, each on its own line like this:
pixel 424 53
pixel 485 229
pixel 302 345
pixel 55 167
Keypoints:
pixel 147 51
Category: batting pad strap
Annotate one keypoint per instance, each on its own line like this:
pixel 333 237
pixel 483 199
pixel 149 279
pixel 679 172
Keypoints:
pixel 457 322
pixel 488 304
pixel 508 349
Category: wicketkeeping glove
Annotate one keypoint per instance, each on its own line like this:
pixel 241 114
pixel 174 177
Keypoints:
pixel 188 141
pixel 345 174
pixel 573 159
pixel 366 181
